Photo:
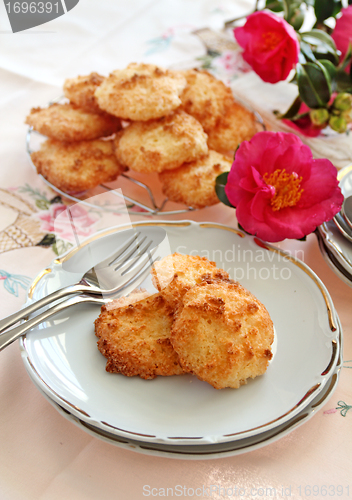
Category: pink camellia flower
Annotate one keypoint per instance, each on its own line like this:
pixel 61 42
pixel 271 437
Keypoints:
pixel 279 190
pixel 270 45
pixel 57 220
pixel 342 34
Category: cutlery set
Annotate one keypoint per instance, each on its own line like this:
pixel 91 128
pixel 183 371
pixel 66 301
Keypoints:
pixel 335 236
pixel 115 276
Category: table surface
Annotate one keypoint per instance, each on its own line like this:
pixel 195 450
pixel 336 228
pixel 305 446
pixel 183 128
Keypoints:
pixel 43 455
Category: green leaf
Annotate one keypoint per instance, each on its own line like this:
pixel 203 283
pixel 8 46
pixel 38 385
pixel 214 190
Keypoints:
pixel 293 110
pixel 61 246
pixel 314 84
pixel 286 5
pixel 42 204
pixel 307 51
pixel 56 199
pixel 220 184
pixel 347 59
pixel 326 55
pixel 241 229
pixel 319 38
pixel 292 11
pixel 48 240
pixel 343 81
pixel 337 9
pixel 326 74
pixel 296 16
pixel 274 6
pixel 324 9
pixel 332 70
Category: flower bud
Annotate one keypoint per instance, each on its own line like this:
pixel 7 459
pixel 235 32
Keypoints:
pixel 338 123
pixel 347 115
pixel 319 116
pixel 343 101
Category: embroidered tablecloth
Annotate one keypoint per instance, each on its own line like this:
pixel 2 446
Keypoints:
pixel 44 456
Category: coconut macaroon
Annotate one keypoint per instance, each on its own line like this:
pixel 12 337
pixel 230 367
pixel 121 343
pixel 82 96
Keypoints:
pixel 194 183
pixel 77 166
pixel 205 97
pixel 80 91
pixel 236 125
pixel 141 92
pixel 66 122
pixel 223 334
pixel 175 274
pixel 135 339
pixel 161 144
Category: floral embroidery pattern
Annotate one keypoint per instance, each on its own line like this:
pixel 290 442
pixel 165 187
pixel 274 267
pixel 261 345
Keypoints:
pixel 18 228
pixel 41 200
pixel 62 227
pixel 160 43
pixel 227 65
pixel 12 282
pixel 163 42
pixel 343 407
pixel 43 203
pixel 68 223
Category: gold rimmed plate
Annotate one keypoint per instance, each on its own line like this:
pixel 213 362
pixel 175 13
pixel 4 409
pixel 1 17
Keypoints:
pixel 62 358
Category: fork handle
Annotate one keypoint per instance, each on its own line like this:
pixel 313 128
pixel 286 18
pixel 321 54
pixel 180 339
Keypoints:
pixel 6 338
pixel 23 313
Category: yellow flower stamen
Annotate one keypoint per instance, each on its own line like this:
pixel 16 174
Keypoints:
pixel 287 188
pixel 270 40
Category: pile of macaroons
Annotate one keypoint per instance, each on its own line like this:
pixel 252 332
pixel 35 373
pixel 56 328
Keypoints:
pixel 200 322
pixel 183 125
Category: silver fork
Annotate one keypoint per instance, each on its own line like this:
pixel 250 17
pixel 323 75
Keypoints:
pixel 109 277
pixel 13 334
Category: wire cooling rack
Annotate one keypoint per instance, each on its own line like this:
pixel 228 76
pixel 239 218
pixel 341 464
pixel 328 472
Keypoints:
pixel 150 200
pixel 145 203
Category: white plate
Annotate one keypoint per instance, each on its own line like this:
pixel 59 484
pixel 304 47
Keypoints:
pixel 216 450
pixel 339 246
pixel 345 178
pixel 335 244
pixel 332 262
pixel 62 358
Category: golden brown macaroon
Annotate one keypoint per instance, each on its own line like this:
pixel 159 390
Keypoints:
pixel 237 125
pixel 135 339
pixel 80 91
pixel 77 166
pixel 223 334
pixel 141 92
pixel 175 274
pixel 194 183
pixel 161 144
pixel 67 122
pixel 205 97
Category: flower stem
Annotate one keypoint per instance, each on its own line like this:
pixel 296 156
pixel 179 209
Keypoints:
pixel 227 24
